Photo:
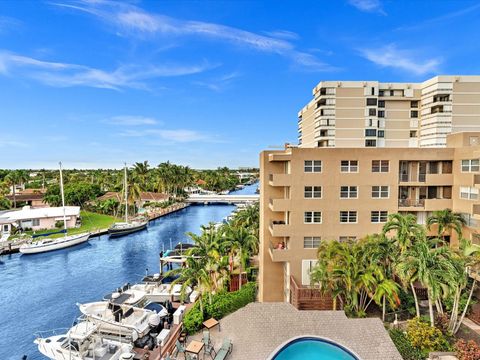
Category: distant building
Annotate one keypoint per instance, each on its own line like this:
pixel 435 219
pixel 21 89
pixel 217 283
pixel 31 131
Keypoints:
pixel 38 218
pixel 145 197
pixel 31 197
pixel 358 114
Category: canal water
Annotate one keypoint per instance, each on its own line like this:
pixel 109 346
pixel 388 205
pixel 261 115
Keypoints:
pixel 40 292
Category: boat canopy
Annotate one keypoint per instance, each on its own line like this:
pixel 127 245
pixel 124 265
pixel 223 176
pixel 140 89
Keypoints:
pixel 63 231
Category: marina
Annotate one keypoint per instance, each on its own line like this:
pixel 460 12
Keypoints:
pixel 46 288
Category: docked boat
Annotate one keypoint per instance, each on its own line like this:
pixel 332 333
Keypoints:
pixel 127 227
pixel 83 342
pixel 128 296
pixel 50 244
pixel 45 245
pixel 121 319
pixel 158 292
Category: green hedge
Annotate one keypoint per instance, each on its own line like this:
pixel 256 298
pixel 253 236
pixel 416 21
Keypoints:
pixel 222 305
pixel 404 346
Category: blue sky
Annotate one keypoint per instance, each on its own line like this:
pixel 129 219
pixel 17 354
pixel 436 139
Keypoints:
pixel 202 83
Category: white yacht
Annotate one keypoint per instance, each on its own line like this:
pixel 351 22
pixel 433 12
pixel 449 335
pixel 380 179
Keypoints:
pixel 50 244
pixel 128 296
pixel 158 292
pixel 121 319
pixel 83 342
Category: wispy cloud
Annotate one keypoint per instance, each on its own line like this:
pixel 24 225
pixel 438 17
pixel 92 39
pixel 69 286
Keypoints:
pixel 8 23
pixel 59 74
pixel 283 34
pixel 131 20
pixel 406 60
pixel 169 135
pixel 220 83
pixel 373 6
pixel 131 120
pixel 8 142
pixel 441 19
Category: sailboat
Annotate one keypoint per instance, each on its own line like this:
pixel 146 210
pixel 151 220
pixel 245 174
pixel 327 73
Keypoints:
pixel 127 227
pixel 50 244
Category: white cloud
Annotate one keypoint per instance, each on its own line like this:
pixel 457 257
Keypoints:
pixel 218 84
pixel 134 21
pixel 391 56
pixel 169 135
pixel 8 23
pixel 66 75
pixel 9 142
pixel 368 6
pixel 131 120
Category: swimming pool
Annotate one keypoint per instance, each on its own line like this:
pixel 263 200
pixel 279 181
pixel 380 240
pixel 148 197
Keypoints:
pixel 312 348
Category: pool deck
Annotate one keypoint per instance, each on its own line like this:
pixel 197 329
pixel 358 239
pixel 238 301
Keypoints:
pixel 259 328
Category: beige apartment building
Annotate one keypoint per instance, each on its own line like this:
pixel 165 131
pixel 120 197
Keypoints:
pixel 374 114
pixel 312 194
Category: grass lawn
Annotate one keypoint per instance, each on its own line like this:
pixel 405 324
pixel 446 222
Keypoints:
pixel 90 222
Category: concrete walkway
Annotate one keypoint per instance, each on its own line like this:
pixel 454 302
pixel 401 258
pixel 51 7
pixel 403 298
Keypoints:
pixel 259 328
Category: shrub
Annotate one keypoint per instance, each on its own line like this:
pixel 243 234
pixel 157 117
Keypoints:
pixel 467 350
pixel 193 319
pixel 404 346
pixel 425 337
pixel 222 305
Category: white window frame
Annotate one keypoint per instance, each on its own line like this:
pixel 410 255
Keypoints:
pixel 381 165
pixel 378 214
pixel 311 242
pixel 35 222
pixel 349 215
pixel 469 193
pixel 314 190
pixel 312 166
pixel 467 166
pixel 351 189
pixel 380 192
pixel 312 215
pixel 347 168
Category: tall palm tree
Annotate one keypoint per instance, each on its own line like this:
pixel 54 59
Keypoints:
pixel 446 221
pixel 140 171
pixel 406 229
pixel 12 179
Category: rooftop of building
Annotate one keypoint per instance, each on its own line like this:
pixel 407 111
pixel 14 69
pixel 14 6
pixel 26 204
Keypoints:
pixel 258 329
pixel 27 213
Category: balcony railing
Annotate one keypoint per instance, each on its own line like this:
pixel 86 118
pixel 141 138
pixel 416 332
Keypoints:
pixel 309 298
pixel 412 177
pixel 411 203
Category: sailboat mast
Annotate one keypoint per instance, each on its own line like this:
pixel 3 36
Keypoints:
pixel 126 194
pixel 63 200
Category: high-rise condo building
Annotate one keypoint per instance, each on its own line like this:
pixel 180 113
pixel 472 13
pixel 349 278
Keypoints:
pixel 367 150
pixel 374 114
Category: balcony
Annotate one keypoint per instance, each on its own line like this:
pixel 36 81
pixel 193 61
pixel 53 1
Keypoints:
pixel 279 229
pixel 439 179
pixel 476 180
pixel 411 204
pixel 277 254
pixel 279 204
pixel 279 157
pixel 412 179
pixel 309 298
pixel 279 180
pixel 437 204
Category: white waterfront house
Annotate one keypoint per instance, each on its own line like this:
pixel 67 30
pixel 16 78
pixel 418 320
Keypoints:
pixel 38 218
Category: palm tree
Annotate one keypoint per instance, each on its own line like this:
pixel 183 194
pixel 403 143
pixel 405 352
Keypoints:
pixel 12 179
pixel 140 171
pixel 446 221
pixel 242 242
pixel 406 229
pixel 432 267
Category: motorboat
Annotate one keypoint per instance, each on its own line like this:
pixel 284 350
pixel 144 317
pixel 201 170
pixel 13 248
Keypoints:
pixel 126 227
pixel 122 319
pixel 50 244
pixel 128 296
pixel 159 293
pixel 83 342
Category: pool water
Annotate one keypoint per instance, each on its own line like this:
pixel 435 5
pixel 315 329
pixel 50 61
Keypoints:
pixel 313 349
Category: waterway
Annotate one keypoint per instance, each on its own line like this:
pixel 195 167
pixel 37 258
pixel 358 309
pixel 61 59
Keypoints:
pixel 40 292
